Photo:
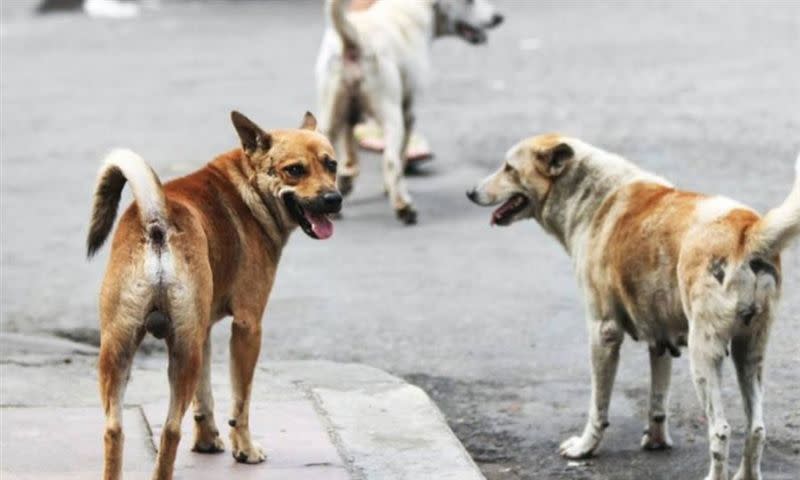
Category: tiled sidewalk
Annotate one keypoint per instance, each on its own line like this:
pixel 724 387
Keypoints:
pixel 315 420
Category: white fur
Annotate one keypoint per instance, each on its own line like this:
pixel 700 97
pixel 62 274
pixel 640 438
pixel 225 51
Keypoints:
pixel 613 165
pixel 159 267
pixel 780 225
pixel 393 39
pixel 110 9
pixel 396 35
pixel 714 208
pixel 144 183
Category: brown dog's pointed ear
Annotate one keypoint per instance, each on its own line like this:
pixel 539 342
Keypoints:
pixel 309 122
pixel 252 136
pixel 555 159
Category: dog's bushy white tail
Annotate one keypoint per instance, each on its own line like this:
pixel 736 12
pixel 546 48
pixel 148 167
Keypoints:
pixel 120 166
pixel 336 10
pixel 780 225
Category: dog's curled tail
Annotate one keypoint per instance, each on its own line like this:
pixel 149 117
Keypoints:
pixel 780 225
pixel 336 11
pixel 118 167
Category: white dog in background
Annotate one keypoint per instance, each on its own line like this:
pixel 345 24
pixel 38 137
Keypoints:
pixel 373 63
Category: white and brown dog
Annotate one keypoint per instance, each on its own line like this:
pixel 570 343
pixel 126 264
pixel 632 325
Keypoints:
pixel 667 267
pixel 374 63
pixel 196 250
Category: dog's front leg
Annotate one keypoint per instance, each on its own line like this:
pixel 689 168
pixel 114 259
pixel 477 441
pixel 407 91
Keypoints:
pixel 245 347
pixel 706 352
pixel 394 135
pixel 206 433
pixel 656 437
pixel 748 356
pixel 606 339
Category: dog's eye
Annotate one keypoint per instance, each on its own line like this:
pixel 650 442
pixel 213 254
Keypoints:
pixel 295 170
pixel 330 164
pixel 508 168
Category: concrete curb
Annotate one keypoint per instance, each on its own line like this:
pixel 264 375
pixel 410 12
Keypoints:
pixel 316 420
pixel 383 427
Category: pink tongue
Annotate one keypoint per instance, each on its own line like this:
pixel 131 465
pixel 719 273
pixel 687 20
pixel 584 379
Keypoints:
pixel 498 214
pixel 320 224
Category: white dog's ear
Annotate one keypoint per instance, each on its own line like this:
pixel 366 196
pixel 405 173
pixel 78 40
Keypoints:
pixel 309 122
pixel 252 136
pixel 555 159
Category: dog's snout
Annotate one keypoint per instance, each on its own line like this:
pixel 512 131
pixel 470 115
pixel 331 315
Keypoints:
pixel 332 200
pixel 497 19
pixel 473 195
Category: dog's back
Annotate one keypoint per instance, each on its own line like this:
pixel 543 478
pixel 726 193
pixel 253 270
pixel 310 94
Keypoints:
pixel 163 254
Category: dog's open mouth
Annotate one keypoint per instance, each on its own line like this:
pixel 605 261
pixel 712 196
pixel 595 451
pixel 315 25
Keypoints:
pixel 316 225
pixel 469 33
pixel 505 213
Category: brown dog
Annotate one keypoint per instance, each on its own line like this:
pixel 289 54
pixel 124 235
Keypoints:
pixel 189 253
pixel 667 267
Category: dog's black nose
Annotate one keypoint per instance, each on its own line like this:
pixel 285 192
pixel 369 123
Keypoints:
pixel 333 200
pixel 497 19
pixel 472 195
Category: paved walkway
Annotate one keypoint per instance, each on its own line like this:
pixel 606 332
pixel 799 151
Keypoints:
pixel 315 420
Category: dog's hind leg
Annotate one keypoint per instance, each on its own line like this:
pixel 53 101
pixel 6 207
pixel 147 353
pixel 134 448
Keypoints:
pixel 185 349
pixel 351 167
pixel 117 347
pixel 656 437
pixel 339 113
pixel 341 135
pixel 245 347
pixel 206 436
pixel 394 137
pixel 408 128
pixel 748 357
pixel 606 339
pixel 706 353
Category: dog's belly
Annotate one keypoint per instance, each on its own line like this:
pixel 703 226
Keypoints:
pixel 650 310
pixel 646 305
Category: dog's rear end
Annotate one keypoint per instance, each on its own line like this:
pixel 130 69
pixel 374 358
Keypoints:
pixel 146 288
pixel 373 64
pixel 732 300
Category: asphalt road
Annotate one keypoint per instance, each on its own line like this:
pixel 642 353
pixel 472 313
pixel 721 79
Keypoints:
pixel 488 321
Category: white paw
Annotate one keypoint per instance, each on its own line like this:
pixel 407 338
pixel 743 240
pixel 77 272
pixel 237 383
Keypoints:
pixel 656 441
pixel 577 447
pixel 110 9
pixel 743 475
pixel 712 476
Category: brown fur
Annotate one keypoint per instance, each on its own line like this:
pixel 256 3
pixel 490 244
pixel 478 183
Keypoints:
pixel 647 232
pixel 225 228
